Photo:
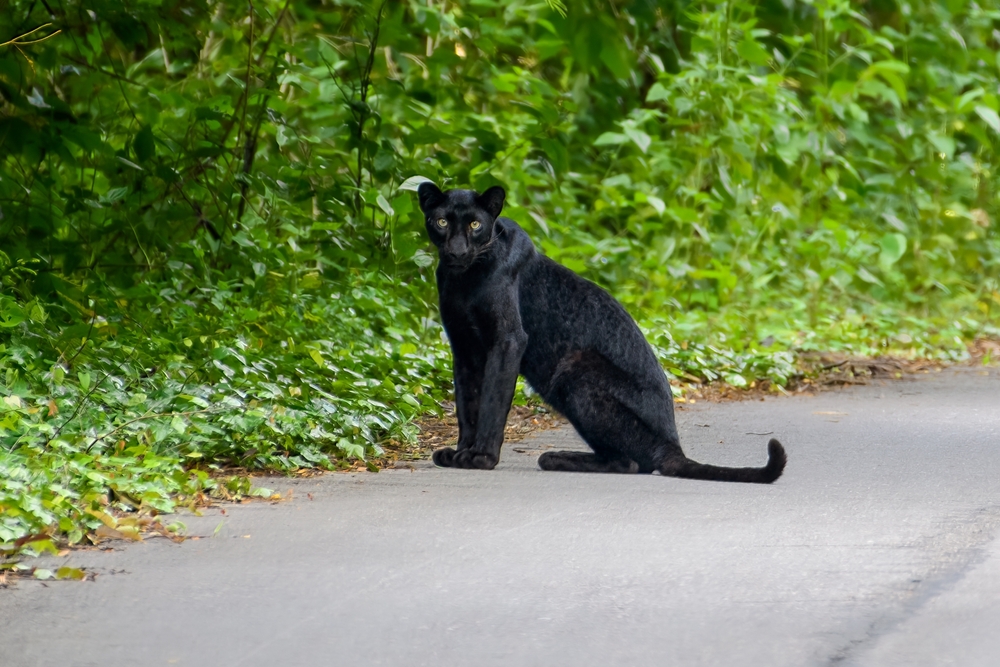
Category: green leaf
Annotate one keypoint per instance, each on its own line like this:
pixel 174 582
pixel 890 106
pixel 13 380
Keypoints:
pixel 413 182
pixel 989 116
pixel 548 48
pixel 610 139
pixel 402 204
pixel 891 72
pixel 144 144
pixel 70 573
pixel 966 99
pixel 129 163
pixel 350 449
pixel 84 378
pixel 11 314
pixel 896 83
pixel 640 138
pixel 895 66
pixel 752 52
pixel 867 276
pixel 422 258
pixel 658 205
pixel 618 180
pixel 558 6
pixel 83 137
pixel 383 204
pixel 615 57
pixel 657 92
pixel 318 358
pixel 384 160
pixel 736 380
pixel 942 144
pixel 556 153
pixel 893 247
pixel 115 194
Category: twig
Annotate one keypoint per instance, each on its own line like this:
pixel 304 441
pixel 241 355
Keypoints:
pixel 113 75
pixel 246 87
pixel 86 339
pixel 18 41
pixel 195 171
pixel 128 102
pixel 79 406
pixel 83 402
pixel 362 109
pixel 250 145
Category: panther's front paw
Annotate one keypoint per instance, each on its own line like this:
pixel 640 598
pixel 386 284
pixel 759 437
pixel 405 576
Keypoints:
pixel 466 458
pixel 443 457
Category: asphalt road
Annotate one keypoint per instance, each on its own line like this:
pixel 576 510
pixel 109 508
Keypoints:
pixel 879 546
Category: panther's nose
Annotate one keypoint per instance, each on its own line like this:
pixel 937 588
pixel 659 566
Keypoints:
pixel 457 246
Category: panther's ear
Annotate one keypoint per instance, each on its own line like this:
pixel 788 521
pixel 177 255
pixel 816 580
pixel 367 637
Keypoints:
pixel 430 196
pixel 492 200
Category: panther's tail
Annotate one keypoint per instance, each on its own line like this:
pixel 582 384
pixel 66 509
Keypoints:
pixel 685 467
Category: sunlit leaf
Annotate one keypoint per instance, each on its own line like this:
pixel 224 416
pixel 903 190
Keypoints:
pixel 412 183
pixel 610 139
pixel 657 92
pixel 893 248
pixel 70 573
pixel 640 138
pixel 989 116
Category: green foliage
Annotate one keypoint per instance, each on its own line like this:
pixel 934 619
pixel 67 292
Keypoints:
pixel 210 256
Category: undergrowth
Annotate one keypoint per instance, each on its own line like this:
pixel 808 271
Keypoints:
pixel 211 260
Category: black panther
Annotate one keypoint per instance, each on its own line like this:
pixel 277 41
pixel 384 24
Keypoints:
pixel 507 309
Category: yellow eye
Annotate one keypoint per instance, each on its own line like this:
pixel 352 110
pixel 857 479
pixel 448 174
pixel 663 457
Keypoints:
pixel 475 224
pixel 442 223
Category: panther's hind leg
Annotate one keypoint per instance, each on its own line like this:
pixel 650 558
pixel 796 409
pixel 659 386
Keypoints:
pixel 625 422
pixel 585 462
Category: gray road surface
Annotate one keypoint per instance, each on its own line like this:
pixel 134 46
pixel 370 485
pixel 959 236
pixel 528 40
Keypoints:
pixel 879 546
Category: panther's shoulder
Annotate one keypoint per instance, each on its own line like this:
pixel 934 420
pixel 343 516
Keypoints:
pixel 518 246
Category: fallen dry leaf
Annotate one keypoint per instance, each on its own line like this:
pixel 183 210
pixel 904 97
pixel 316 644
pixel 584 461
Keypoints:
pixel 106 533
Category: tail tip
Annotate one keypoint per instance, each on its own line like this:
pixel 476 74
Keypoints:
pixel 776 460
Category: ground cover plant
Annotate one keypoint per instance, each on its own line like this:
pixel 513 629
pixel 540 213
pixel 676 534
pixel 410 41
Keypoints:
pixel 211 258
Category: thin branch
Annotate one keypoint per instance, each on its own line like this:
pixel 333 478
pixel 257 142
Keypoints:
pixel 250 146
pixel 86 399
pixel 20 41
pixel 228 128
pixel 86 339
pixel 113 75
pixel 246 87
pixel 365 85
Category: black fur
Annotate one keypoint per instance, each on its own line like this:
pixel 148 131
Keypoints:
pixel 508 309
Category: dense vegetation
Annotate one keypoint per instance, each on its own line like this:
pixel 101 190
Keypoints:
pixel 210 256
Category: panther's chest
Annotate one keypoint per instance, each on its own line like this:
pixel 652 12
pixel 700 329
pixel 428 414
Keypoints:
pixel 467 323
pixel 474 315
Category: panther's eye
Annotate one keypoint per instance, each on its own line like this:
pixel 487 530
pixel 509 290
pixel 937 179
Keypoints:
pixel 442 223
pixel 475 224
